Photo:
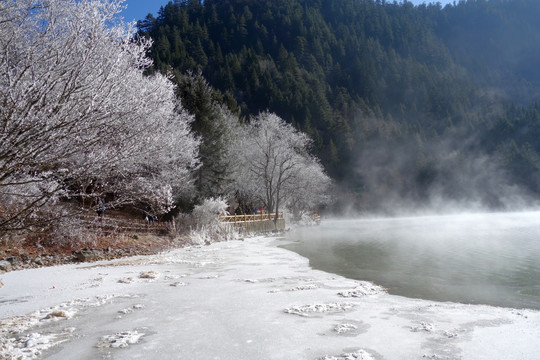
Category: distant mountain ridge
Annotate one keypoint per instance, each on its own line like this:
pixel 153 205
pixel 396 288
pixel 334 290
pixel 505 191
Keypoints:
pixel 404 103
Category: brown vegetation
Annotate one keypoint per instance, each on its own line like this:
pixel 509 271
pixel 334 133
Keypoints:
pixel 115 235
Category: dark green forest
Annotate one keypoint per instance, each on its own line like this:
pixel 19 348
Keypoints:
pixel 405 104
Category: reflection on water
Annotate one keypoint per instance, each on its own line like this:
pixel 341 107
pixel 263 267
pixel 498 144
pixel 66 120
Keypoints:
pixel 482 258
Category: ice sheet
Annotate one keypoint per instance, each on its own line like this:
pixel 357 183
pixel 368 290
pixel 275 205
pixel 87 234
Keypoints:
pixel 241 300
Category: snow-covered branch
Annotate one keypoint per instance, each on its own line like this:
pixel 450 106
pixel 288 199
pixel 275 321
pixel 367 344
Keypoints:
pixel 277 168
pixel 78 114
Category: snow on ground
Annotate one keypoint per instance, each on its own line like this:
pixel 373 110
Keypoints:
pixel 240 300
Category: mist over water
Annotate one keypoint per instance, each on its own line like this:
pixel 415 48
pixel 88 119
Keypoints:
pixel 491 259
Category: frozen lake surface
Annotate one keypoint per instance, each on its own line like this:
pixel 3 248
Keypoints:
pixel 489 259
pixel 241 300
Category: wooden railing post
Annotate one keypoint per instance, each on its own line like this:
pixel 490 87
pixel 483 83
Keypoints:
pixel 255 222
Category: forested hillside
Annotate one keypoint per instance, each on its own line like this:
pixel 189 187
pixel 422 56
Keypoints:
pixel 88 127
pixel 403 102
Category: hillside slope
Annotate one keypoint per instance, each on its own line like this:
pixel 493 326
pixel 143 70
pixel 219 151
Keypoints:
pixel 420 102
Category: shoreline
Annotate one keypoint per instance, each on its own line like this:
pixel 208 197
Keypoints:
pixel 241 300
pixel 483 259
pixel 31 256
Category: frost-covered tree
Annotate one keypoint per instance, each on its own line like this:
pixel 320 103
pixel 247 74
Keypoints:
pixel 277 169
pixel 78 117
pixel 308 189
pixel 209 228
pixel 161 172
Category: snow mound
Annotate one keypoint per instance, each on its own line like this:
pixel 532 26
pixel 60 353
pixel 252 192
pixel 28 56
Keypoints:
pixel 423 326
pixel 364 288
pixel 433 356
pixel 297 288
pixel 303 287
pixel 67 310
pixel 209 277
pixel 120 340
pixel 19 324
pixel 130 310
pixel 149 274
pixel 127 280
pixel 450 335
pixel 29 346
pixel 344 328
pixel 306 310
pixel 359 355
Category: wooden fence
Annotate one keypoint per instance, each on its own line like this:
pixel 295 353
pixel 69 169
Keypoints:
pixel 255 223
pixel 116 225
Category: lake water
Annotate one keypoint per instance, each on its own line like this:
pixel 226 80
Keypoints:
pixel 489 259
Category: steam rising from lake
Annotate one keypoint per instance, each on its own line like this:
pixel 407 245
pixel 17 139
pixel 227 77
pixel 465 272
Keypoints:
pixel 490 259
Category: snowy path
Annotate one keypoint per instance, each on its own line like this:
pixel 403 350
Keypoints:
pixel 240 300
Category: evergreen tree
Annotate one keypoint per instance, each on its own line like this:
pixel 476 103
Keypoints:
pixel 217 127
pixel 354 73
